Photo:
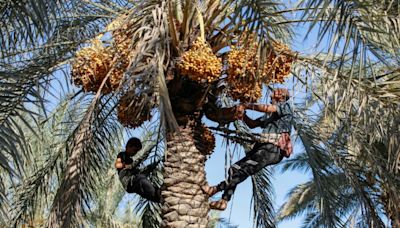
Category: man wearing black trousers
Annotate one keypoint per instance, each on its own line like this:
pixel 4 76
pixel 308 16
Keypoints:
pixel 133 179
pixel 270 149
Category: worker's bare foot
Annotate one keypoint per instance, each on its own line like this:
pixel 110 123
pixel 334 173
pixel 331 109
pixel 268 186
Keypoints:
pixel 219 205
pixel 209 190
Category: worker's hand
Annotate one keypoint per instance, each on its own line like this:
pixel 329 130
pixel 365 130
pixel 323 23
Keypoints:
pixel 128 166
pixel 119 164
pixel 239 112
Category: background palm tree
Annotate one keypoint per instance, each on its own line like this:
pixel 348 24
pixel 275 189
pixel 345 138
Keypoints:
pixel 355 80
pixel 359 96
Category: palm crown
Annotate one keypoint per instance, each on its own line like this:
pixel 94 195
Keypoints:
pixel 173 56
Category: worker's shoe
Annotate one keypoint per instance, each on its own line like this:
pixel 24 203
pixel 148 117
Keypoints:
pixel 209 190
pixel 219 205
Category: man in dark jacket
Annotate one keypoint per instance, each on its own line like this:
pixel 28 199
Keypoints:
pixel 273 145
pixel 133 179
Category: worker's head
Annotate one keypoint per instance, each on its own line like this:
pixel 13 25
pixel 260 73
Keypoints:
pixel 280 95
pixel 133 146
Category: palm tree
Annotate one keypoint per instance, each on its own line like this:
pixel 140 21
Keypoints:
pixel 357 130
pixel 147 42
pixel 351 161
pixel 168 59
pixel 329 198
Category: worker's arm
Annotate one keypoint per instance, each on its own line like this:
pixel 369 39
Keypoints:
pixel 252 123
pixel 119 164
pixel 148 169
pixel 261 107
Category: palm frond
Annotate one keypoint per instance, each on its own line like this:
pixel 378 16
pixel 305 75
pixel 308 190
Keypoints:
pixel 262 199
pixel 87 150
pixel 27 21
pixel 359 22
pixel 25 71
pixel 298 162
pixel 107 197
pixel 216 221
pixel 48 152
pixel 262 17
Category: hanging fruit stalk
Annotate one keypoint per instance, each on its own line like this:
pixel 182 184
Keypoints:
pixel 241 73
pixel 92 64
pixel 279 63
pixel 245 75
pixel 133 110
pixel 90 67
pixel 204 139
pixel 200 63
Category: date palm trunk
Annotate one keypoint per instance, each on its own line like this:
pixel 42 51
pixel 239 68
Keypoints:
pixel 185 204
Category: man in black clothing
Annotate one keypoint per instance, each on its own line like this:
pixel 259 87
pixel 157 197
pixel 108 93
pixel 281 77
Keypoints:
pixel 132 178
pixel 271 147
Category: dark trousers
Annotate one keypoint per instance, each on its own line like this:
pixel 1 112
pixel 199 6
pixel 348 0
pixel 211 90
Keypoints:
pixel 139 184
pixel 259 157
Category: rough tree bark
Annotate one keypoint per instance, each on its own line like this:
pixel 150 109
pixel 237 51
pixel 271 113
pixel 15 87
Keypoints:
pixel 185 204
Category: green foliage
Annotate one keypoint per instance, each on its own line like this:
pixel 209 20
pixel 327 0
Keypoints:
pixel 352 151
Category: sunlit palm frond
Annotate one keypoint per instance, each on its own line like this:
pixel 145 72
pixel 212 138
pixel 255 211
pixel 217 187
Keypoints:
pixel 262 199
pixel 107 197
pixel 355 27
pixel 216 221
pixel 300 200
pixel 87 149
pixel 48 152
pixel 331 204
pixel 263 17
pixel 25 71
pixel 343 163
pixel 330 138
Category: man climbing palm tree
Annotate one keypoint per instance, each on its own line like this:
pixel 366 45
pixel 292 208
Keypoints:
pixel 268 150
pixel 132 178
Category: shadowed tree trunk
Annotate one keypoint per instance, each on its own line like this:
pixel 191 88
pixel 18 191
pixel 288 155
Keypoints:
pixel 185 204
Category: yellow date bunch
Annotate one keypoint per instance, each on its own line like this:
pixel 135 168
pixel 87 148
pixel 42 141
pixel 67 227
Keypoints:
pixel 122 41
pixel 245 75
pixel 245 90
pixel 133 110
pixel 279 63
pixel 92 64
pixel 204 139
pixel 241 72
pixel 200 64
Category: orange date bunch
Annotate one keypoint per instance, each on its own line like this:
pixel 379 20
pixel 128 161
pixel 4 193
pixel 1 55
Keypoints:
pixel 204 139
pixel 133 110
pixel 200 64
pixel 241 72
pixel 92 64
pixel 122 42
pixel 279 63
pixel 244 73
